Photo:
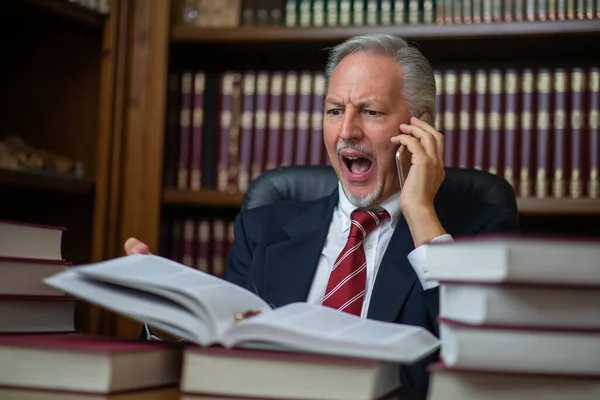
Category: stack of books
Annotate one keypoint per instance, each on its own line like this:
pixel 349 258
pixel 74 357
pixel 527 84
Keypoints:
pixel 240 346
pixel 28 254
pixel 519 318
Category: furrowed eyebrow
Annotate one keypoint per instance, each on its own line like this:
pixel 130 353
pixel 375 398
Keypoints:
pixel 360 104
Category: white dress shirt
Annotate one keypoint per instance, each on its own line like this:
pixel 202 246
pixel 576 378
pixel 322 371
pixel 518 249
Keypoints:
pixel 374 245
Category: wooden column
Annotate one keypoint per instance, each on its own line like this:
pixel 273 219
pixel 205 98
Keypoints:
pixel 130 174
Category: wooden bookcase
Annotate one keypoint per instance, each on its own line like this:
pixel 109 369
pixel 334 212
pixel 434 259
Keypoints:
pixel 57 76
pixel 150 45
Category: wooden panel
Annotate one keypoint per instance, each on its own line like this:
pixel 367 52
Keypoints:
pixel 422 32
pixel 144 125
pixel 108 175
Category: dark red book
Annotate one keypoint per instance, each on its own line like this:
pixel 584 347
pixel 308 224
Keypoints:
pixel 79 363
pixel 26 240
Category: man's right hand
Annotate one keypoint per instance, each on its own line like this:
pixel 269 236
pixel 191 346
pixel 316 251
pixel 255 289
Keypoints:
pixel 134 246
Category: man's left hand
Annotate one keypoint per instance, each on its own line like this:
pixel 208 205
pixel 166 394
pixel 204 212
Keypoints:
pixel 426 173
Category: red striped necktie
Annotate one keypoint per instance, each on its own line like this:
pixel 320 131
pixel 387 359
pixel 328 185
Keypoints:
pixel 346 286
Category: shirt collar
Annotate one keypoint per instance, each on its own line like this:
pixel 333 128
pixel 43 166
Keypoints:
pixel 345 207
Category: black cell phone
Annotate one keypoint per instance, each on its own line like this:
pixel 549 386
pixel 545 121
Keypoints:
pixel 399 155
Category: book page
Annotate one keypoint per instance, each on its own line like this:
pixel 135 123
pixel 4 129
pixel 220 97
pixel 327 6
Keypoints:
pixel 319 329
pixel 140 306
pixel 210 298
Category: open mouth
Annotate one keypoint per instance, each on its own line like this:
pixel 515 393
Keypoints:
pixel 357 165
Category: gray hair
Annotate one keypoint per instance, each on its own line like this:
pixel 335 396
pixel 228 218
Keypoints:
pixel 419 81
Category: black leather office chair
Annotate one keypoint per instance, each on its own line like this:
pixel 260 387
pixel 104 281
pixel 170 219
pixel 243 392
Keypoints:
pixel 308 182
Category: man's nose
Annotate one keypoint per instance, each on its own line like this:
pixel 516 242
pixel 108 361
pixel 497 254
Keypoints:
pixel 351 128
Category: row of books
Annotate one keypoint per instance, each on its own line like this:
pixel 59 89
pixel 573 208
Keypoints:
pixel 518 319
pixel 536 127
pixel 319 13
pixel 28 254
pixel 200 243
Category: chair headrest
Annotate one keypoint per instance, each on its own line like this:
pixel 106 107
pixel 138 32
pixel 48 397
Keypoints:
pixel 311 182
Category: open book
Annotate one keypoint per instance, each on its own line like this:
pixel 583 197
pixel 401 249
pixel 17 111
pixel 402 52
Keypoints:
pixel 207 310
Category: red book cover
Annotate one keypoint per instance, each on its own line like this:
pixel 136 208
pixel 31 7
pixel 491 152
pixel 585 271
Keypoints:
pixel 260 123
pixel 594 125
pixel 303 119
pixel 197 132
pixel 450 117
pixel 185 123
pixel 275 120
pixel 511 88
pixel 481 118
pixel 495 121
pixel 246 131
pixel 576 124
pixel 526 177
pixel 466 120
pixel 289 118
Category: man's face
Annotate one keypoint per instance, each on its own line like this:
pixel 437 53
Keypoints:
pixel 363 110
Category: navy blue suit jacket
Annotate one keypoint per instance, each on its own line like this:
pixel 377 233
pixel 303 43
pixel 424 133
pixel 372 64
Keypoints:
pixel 277 247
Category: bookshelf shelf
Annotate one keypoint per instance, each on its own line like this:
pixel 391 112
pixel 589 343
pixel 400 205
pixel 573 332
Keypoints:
pixel 68 10
pixel 533 206
pixel 551 206
pixel 182 34
pixel 45 182
pixel 204 197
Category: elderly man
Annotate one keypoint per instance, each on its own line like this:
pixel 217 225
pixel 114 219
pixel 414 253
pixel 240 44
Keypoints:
pixel 362 248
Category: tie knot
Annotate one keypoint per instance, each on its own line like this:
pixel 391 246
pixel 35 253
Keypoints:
pixel 364 222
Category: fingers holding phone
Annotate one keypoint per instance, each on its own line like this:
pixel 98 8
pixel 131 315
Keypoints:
pixel 423 162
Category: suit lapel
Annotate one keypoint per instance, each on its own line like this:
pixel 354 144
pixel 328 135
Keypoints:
pixel 290 264
pixel 396 276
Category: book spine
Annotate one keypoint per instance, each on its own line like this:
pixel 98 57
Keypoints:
pixel 203 253
pixel 439 100
pixel 289 117
pixel 387 17
pixel 184 133
pixel 465 119
pixel 358 12
pixel 450 91
pixel 260 120
pixel 333 13
pixel 197 130
pixel 577 123
pixel 303 119
pixel 495 121
pixel 543 132
pixel 225 128
pixel 510 125
pixel 234 133
pixel 318 13
pixel 594 124
pixel 188 242
pixel 526 134
pixel 399 12
pixel 247 125
pixel 316 120
pixel 275 120
pixel 560 143
pixel 304 13
pixel 481 107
